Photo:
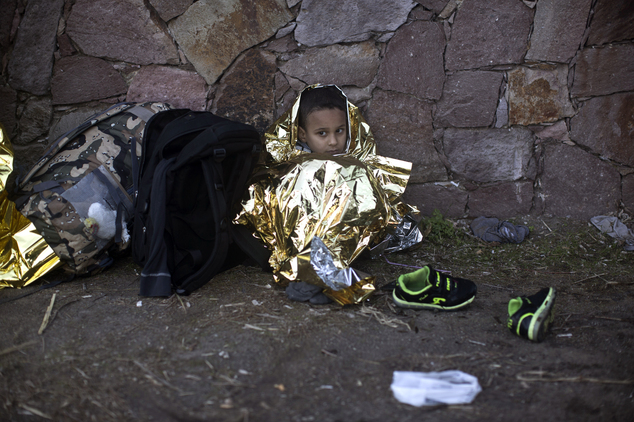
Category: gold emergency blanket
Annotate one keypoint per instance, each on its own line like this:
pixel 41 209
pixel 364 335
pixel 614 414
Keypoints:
pixel 343 204
pixel 25 255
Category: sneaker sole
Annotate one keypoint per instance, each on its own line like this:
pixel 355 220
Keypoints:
pixel 404 304
pixel 542 318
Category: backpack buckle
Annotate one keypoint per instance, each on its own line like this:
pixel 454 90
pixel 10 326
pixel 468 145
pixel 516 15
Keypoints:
pixel 220 154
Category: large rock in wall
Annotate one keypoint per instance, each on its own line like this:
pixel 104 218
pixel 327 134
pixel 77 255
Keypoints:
pixel 324 22
pixel 213 32
pixel 32 60
pixel 606 126
pixel 488 33
pixel 120 30
pixel 178 87
pixel 604 70
pixel 577 184
pixel 611 22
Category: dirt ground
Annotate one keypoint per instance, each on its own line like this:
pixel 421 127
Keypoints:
pixel 239 350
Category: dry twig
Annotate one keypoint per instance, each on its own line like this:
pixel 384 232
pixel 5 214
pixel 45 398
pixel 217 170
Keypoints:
pixel 543 376
pixel 47 315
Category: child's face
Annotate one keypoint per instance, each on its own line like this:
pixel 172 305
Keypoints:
pixel 325 131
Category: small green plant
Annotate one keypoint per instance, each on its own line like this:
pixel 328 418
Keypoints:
pixel 437 229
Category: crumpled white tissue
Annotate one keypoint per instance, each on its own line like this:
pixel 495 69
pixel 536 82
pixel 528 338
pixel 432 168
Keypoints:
pixel 433 388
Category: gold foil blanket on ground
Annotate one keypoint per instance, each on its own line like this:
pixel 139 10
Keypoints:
pixel 343 203
pixel 25 255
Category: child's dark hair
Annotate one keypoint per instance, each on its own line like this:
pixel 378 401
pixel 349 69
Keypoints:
pixel 323 98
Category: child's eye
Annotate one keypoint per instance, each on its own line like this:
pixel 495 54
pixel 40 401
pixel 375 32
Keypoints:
pixel 321 133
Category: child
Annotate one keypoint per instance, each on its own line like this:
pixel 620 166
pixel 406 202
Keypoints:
pixel 323 121
pixel 322 195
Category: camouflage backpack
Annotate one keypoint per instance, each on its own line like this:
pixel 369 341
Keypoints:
pixel 79 195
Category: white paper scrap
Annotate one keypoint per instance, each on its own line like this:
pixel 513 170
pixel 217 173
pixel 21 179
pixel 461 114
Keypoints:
pixel 432 388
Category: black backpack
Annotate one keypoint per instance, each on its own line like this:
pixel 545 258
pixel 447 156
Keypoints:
pixel 193 170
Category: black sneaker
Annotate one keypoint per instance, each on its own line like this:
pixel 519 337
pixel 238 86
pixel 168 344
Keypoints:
pixel 428 289
pixel 530 317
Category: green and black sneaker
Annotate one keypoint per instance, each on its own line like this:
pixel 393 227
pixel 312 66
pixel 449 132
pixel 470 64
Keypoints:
pixel 530 317
pixel 429 289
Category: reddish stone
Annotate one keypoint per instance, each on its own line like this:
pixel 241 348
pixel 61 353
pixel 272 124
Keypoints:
pixel 177 87
pixel 503 200
pixel 78 79
pixel 247 92
pixel 413 62
pixel 606 125
pixel 402 127
pixel 577 184
pixel 469 99
pixel 605 70
pixel 611 22
pixel 488 33
pixel 169 9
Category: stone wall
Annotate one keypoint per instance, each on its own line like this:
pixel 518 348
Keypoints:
pixel 505 107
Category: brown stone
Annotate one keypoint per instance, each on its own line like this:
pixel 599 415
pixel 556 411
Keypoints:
pixel 177 87
pixel 65 46
pixel 557 131
pixel 402 127
pixel 627 189
pixel 469 99
pixel 606 126
pixel 558 29
pixel 413 62
pixel 35 120
pixel 488 33
pixel 8 107
pixel 605 70
pixel 32 58
pixel 282 45
pixel 213 33
pixel 575 183
pixel 247 91
pixel 489 155
pixel 324 22
pixel 71 120
pixel 503 200
pixel 446 198
pixel 120 30
pixel 353 64
pixel 169 9
pixel 538 95
pixel 78 79
pixel 611 22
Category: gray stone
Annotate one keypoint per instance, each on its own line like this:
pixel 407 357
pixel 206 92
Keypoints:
pixel 212 33
pixel 605 70
pixel 35 120
pixel 489 155
pixel 606 126
pixel 413 62
pixel 611 22
pixel 247 91
pixel 446 198
pixel 281 85
pixel 71 120
pixel 32 59
pixel 402 127
pixel 282 45
pixel 177 87
pixel 488 33
pixel 504 200
pixel 627 189
pixel 538 95
pixel 469 99
pixel 418 13
pixel 502 113
pixel 8 108
pixel 353 64
pixel 575 183
pixel 558 29
pixel 6 22
pixel 78 79
pixel 120 30
pixel 323 22
pixel 169 9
